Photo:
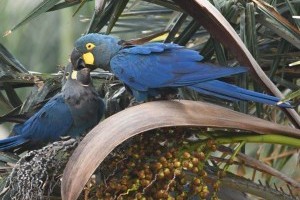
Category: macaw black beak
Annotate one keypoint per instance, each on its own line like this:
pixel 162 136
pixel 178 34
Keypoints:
pixel 80 64
pixel 85 71
pixel 80 60
pixel 75 58
pixel 82 75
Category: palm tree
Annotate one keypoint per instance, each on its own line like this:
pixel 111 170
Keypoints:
pixel 165 156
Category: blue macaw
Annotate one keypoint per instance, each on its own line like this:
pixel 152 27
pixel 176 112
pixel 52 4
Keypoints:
pixel 149 68
pixel 72 112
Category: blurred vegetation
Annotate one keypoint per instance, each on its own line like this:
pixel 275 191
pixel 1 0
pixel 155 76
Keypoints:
pixel 46 42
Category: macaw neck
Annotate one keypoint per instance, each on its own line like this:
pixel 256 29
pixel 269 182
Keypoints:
pixel 107 54
pixel 116 50
pixel 73 91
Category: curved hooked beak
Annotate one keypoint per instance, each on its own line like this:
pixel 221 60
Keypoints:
pixel 77 58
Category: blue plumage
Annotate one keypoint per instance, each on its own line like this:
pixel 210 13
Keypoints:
pixel 231 92
pixel 76 109
pixel 142 72
pixel 147 68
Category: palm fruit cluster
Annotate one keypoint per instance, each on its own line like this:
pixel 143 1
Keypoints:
pixel 161 164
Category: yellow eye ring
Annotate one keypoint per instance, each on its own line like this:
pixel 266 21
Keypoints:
pixel 89 46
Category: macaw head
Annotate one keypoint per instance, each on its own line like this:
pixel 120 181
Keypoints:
pixel 80 75
pixel 95 50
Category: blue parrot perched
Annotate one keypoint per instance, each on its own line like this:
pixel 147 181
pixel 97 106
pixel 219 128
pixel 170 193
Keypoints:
pixel 150 68
pixel 72 112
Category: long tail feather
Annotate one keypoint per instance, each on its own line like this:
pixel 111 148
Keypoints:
pixel 12 142
pixel 233 93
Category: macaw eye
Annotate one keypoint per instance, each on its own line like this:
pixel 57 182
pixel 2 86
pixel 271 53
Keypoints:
pixel 89 46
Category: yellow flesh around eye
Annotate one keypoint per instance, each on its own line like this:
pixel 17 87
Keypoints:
pixel 74 75
pixel 89 46
pixel 88 58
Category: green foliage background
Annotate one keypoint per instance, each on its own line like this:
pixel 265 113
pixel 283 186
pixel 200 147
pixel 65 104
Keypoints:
pixel 45 42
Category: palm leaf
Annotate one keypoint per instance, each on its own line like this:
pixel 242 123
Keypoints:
pixel 290 96
pixel 187 33
pixel 12 95
pixel 280 25
pixel 118 9
pixel 177 25
pixel 7 58
pixel 100 17
pixel 41 8
pixel 135 120
pixel 293 12
pixel 166 3
pixel 4 102
pixel 145 39
pixel 79 7
pixel 65 4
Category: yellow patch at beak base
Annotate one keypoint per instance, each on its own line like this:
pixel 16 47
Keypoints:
pixel 88 58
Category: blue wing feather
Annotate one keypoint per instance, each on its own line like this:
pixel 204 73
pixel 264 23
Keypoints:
pixel 165 65
pixel 157 65
pixel 40 126
pixel 12 142
pixel 48 124
pixel 231 92
pixel 149 48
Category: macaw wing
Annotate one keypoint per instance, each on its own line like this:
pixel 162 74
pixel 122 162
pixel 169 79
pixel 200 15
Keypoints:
pixel 157 65
pixel 53 120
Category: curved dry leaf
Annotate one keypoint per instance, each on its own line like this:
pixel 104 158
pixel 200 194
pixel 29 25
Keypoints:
pixel 272 12
pixel 212 20
pixel 100 141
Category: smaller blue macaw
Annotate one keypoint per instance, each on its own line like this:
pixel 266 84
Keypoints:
pixel 72 112
pixel 151 68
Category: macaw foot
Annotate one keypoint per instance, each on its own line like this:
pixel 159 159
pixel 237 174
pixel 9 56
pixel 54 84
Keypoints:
pixel 165 97
pixel 170 96
pixel 64 138
pixel 167 94
pixel 133 102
